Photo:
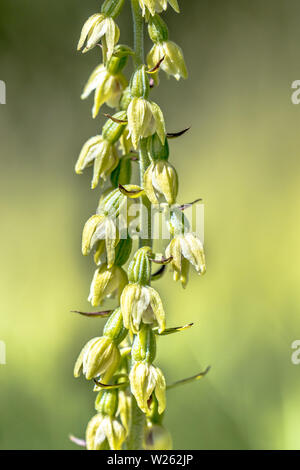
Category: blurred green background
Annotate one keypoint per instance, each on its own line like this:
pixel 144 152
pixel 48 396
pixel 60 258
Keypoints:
pixel 241 156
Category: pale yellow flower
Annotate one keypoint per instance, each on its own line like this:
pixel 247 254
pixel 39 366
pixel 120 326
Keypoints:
pixel 146 379
pixel 161 182
pixel 102 154
pixel 173 62
pixel 141 304
pixel 186 249
pixel 99 357
pixel 108 88
pixel 107 283
pixel 144 119
pixel 104 433
pixel 157 6
pixel 97 27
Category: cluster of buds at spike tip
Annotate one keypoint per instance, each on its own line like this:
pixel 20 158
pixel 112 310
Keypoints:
pixel 170 55
pixel 131 389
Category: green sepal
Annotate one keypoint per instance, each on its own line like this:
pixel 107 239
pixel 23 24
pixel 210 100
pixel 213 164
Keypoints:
pixel 112 8
pixel 107 402
pixel 116 63
pixel 157 29
pixel 157 150
pixel 123 251
pixel 112 130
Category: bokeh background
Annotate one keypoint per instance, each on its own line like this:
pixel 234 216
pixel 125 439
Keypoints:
pixel 241 156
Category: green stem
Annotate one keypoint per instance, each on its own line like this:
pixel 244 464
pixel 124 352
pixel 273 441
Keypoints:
pixel 135 438
pixel 145 216
pixel 138 421
pixel 138 29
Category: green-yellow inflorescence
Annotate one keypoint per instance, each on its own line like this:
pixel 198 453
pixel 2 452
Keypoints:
pixel 131 399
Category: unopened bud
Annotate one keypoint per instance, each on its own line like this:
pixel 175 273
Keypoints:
pixel 139 84
pixel 146 379
pixel 114 327
pixel 112 129
pixel 139 270
pixel 161 182
pixel 107 402
pixel 157 149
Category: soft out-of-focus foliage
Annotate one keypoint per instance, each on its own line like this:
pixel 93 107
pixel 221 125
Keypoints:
pixel 241 156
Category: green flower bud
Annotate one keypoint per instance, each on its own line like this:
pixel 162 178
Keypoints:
pixel 158 30
pixel 157 149
pixel 139 269
pixel 139 84
pixel 114 327
pixel 107 282
pixel 112 8
pixel 122 173
pixel 107 402
pixel 161 182
pixel 112 130
pixel 146 379
pixel 157 438
pixel 142 305
pixel 99 357
pixel 144 345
